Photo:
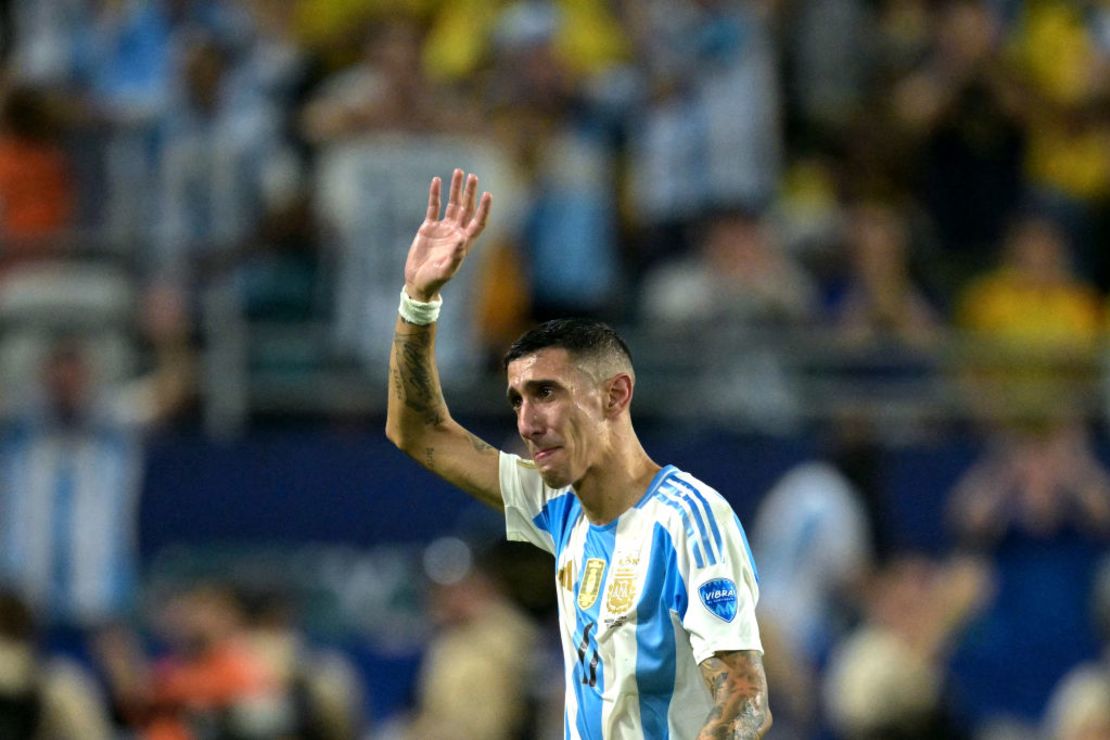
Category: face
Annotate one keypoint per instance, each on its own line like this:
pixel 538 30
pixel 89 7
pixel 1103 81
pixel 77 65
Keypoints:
pixel 195 620
pixel 67 380
pixel 559 414
pixel 1038 250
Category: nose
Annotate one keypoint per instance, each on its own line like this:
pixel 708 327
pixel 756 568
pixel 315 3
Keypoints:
pixel 529 424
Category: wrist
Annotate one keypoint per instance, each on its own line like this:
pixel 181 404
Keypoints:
pixel 416 311
pixel 423 296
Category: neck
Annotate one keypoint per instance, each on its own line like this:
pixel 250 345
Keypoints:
pixel 614 485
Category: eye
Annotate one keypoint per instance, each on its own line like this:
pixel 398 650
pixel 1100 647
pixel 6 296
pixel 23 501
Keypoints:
pixel 545 391
pixel 514 402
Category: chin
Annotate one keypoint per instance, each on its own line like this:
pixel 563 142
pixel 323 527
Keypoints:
pixel 555 478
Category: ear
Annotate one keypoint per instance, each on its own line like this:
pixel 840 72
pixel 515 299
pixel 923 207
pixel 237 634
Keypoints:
pixel 619 394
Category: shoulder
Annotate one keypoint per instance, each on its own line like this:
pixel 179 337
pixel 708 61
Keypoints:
pixel 688 507
pixel 698 490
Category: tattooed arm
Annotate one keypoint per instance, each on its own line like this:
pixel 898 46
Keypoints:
pixel 417 418
pixel 739 688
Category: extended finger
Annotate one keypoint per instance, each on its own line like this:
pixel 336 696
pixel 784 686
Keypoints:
pixel 433 199
pixel 478 223
pixel 453 196
pixel 470 196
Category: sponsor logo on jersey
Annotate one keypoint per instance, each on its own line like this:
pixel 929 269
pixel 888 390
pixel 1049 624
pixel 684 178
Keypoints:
pixel 719 597
pixel 590 586
pixel 566 576
pixel 621 594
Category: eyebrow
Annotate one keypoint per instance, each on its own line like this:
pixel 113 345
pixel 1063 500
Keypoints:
pixel 530 385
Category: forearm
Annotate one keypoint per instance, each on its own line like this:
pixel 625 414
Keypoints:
pixel 416 405
pixel 739 689
pixel 417 419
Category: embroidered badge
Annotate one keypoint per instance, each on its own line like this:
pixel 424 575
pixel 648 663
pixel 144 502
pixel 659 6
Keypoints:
pixel 622 585
pixel 590 586
pixel 719 597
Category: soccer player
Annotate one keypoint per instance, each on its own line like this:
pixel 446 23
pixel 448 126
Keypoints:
pixel 656 584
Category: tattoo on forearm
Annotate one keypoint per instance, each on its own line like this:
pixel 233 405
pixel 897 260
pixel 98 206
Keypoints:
pixel 479 444
pixel 415 381
pixel 739 688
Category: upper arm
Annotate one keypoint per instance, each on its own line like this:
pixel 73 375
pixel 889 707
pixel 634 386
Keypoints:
pixel 461 458
pixel 738 686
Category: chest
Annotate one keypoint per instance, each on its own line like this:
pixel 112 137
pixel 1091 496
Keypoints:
pixel 610 577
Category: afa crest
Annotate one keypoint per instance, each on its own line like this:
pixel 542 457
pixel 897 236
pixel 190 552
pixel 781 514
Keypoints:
pixel 621 594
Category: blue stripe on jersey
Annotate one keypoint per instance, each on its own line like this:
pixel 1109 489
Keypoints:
pixel 708 512
pixel 557 519
pixel 588 676
pixel 661 476
pixel 662 496
pixel 663 592
pixel 688 506
pixel 698 519
pixel 747 547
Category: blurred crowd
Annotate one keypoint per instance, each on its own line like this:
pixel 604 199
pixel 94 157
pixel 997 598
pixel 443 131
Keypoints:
pixel 887 168
pixel 925 176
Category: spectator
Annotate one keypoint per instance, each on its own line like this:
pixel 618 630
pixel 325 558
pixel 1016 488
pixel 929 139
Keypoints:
pixel 1039 482
pixel 1080 705
pixel 963 115
pixel 210 684
pixel 739 277
pixel 829 45
pixel 560 136
pixel 280 273
pixel 588 41
pixel 812 540
pixel 319 693
pixel 476 677
pixel 387 90
pixel 43 698
pixel 1039 319
pixel 36 194
pixel 375 137
pixel 708 133
pixel 224 158
pixel 887 681
pixel 44 35
pixel 1037 504
pixel 739 281
pixel 1033 297
pixel 1062 52
pixel 70 476
pixel 879 300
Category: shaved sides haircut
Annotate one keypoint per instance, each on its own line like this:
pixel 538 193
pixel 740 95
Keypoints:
pixel 585 340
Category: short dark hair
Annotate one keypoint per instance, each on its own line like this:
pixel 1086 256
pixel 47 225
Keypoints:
pixel 580 337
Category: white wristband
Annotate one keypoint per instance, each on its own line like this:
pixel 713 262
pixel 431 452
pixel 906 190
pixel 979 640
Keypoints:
pixel 420 313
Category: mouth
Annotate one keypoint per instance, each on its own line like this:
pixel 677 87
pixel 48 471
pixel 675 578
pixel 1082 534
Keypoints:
pixel 540 455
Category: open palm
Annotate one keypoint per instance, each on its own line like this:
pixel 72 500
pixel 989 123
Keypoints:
pixel 441 244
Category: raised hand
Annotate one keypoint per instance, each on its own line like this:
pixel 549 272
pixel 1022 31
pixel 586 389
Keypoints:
pixel 441 244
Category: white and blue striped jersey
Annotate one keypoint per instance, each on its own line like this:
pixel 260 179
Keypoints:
pixel 68 515
pixel 642 600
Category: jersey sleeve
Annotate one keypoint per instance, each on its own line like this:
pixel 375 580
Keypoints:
pixel 723 589
pixel 529 515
